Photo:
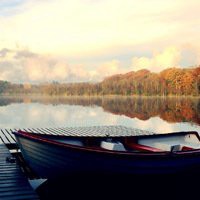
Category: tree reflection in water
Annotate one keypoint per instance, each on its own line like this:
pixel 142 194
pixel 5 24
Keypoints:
pixel 169 109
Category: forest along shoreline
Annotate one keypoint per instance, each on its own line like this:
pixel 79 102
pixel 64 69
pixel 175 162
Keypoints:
pixel 169 82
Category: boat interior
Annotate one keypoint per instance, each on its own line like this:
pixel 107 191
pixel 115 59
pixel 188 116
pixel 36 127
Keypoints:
pixel 179 141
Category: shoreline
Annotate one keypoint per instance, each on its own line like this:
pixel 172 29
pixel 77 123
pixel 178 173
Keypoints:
pixel 96 96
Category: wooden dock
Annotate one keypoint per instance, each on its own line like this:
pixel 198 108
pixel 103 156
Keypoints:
pixel 13 183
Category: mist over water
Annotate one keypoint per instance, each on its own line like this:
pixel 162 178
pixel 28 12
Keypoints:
pixel 154 114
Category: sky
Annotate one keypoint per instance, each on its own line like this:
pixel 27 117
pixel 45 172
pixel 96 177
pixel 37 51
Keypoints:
pixel 87 40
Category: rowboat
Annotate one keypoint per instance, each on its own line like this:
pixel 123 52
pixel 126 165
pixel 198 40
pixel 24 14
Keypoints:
pixel 55 156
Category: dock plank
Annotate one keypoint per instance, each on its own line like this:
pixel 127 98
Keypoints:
pixel 8 136
pixel 9 131
pixel 3 137
pixel 13 183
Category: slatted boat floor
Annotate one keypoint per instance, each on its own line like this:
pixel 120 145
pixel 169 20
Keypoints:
pixel 13 183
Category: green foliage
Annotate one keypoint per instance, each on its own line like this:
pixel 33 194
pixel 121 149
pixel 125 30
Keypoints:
pixel 3 86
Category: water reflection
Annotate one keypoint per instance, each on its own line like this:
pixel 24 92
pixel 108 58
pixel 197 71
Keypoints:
pixel 155 114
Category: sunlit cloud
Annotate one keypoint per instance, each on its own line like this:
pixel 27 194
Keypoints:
pixel 108 68
pixel 25 66
pixel 22 65
pixel 170 57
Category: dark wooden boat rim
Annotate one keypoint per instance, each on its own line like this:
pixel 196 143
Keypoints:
pixel 38 138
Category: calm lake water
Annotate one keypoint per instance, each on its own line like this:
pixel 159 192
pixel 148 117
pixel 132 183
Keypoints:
pixel 154 114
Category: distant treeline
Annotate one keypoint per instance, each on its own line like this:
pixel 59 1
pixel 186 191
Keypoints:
pixel 172 81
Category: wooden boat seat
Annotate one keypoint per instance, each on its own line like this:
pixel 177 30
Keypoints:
pixel 177 147
pixel 158 147
pixel 180 147
pixel 140 147
pixel 116 146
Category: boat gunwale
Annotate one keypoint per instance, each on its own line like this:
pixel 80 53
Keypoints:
pixel 39 138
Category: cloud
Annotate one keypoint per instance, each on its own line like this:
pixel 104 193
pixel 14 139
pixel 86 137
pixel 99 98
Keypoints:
pixel 82 28
pixel 109 68
pixel 24 54
pixel 3 52
pixel 105 69
pixel 22 65
pixel 170 57
pixel 87 40
pixel 190 55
